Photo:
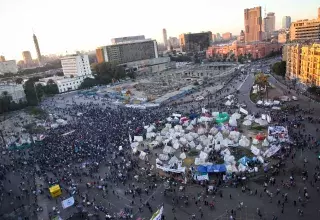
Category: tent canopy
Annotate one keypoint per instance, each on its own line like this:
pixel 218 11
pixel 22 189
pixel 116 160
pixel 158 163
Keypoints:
pixel 217 168
pixel 244 160
pixel 202 169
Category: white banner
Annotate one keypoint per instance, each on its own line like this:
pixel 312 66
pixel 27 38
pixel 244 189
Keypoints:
pixel 178 170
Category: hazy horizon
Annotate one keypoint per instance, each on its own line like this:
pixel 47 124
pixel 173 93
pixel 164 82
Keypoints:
pixel 76 25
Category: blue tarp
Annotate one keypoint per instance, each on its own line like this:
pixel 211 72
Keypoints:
pixel 244 160
pixel 217 168
pixel 193 116
pixel 202 169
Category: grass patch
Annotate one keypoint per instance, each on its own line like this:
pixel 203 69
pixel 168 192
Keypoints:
pixel 193 153
pixel 188 162
pixel 257 127
pixel 37 112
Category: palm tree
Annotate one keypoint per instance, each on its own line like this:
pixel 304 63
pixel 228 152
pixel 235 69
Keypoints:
pixel 261 80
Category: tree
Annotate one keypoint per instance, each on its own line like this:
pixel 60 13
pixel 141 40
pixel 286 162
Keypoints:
pixel 5 100
pixel 19 80
pixel 30 91
pixel 59 74
pixel 279 68
pixel 51 88
pixel 108 71
pixel 262 81
pixel 88 83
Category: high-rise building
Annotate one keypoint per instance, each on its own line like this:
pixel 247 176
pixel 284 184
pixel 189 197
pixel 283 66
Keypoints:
pixel 302 30
pixel 253 24
pixel 268 25
pixel 242 37
pixel 174 42
pixel 77 65
pixel 36 44
pixel 195 42
pixel 27 59
pixel 283 37
pixel 2 59
pixel 286 22
pixel 165 38
pixel 128 51
pixel 127 39
pixel 226 36
pixel 218 37
pixel 303 63
pixel 319 13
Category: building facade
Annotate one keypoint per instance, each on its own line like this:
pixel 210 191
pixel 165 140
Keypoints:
pixel 128 51
pixel 303 63
pixel 27 59
pixel 302 30
pixel 2 59
pixel 16 91
pixel 174 42
pixel 195 42
pixel 36 45
pixel 127 39
pixel 253 24
pixel 165 38
pixel 283 37
pixel 286 22
pixel 9 66
pixel 77 65
pixel 268 25
pixel 256 49
pixel 227 36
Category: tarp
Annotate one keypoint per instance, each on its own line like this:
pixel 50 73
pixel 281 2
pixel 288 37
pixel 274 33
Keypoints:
pixel 167 169
pixel 202 169
pixel 222 117
pixel 242 110
pixel 244 160
pixel 138 138
pixel 217 168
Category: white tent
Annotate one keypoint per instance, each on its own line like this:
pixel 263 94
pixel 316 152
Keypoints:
pixel 199 147
pixel 183 156
pixel 168 150
pixel 214 131
pixel 234 135
pixel 192 144
pixel 255 150
pixel 142 155
pixel 137 138
pixel 247 123
pixel 255 141
pixel 244 142
pixel 173 160
pixel 163 157
pixel 265 143
pixel 203 155
pixel 228 103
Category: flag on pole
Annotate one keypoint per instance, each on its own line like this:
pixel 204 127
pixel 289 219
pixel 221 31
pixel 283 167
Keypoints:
pixel 158 214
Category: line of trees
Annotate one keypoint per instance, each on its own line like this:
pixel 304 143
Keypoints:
pixel 105 73
pixel 35 91
pixel 7 104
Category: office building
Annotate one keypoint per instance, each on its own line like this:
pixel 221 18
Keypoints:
pixel 218 37
pixel 9 66
pixel 2 59
pixel 128 51
pixel 165 38
pixel 16 91
pixel 241 37
pixel 214 37
pixel 286 22
pixel 127 39
pixel 283 37
pixel 253 24
pixel 303 63
pixel 27 59
pixel 268 26
pixel 195 42
pixel 227 36
pixel 302 30
pixel 77 65
pixel 174 42
pixel 36 44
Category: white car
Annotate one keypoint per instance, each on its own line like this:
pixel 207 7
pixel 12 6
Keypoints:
pixel 199 98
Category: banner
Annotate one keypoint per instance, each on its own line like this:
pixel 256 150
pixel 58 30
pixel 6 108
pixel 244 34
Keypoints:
pixel 67 202
pixel 158 214
pixel 178 170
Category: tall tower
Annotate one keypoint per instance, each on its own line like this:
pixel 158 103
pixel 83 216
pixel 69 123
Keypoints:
pixel 36 44
pixel 253 24
pixel 165 38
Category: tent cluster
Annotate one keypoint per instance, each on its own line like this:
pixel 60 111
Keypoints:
pixel 201 134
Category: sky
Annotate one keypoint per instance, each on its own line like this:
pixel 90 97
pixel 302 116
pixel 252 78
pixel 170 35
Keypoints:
pixel 70 25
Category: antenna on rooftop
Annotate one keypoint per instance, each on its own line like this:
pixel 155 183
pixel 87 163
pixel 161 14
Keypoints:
pixel 265 11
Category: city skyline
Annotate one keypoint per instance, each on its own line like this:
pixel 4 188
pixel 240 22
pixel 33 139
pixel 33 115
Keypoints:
pixel 83 29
